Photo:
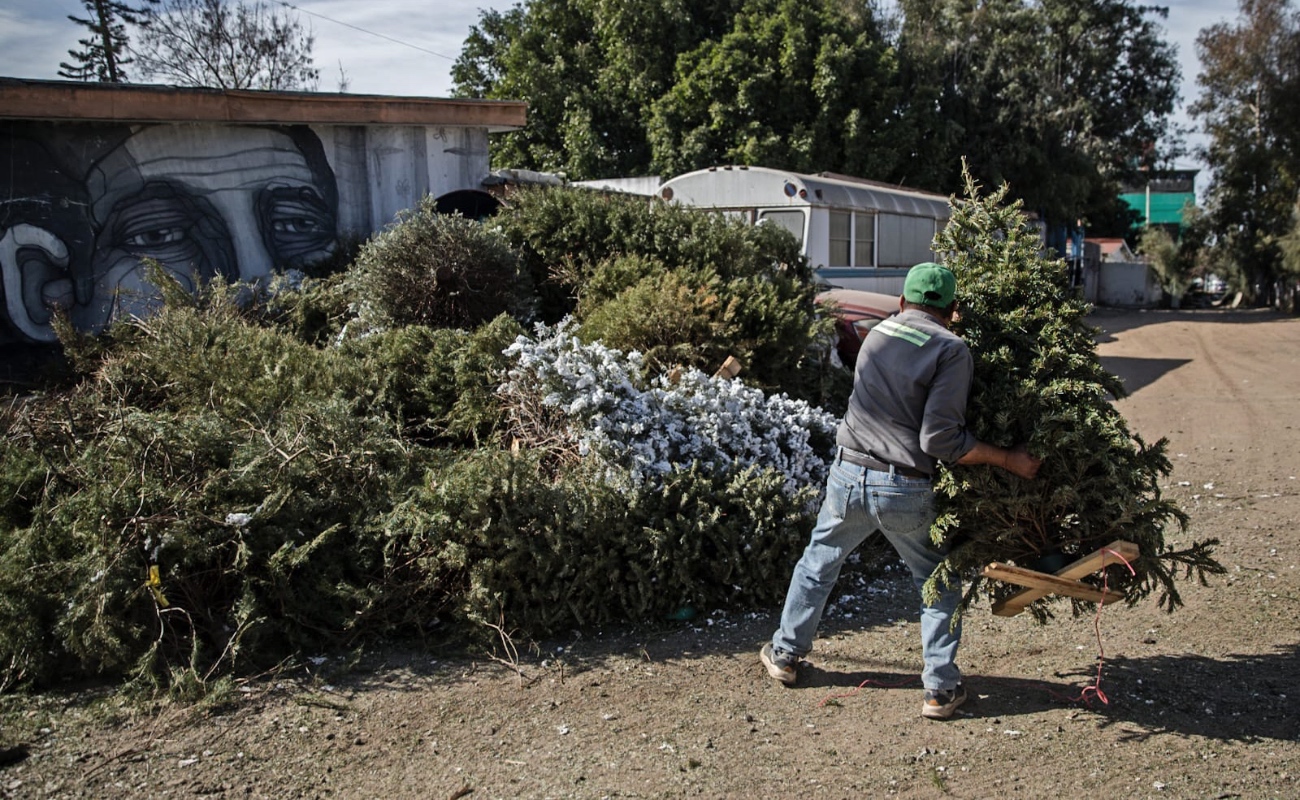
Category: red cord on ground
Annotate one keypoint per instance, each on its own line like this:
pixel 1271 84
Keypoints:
pixel 861 686
pixel 1094 690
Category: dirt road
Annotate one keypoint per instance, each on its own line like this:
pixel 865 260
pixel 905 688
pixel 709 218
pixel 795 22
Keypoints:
pixel 1201 702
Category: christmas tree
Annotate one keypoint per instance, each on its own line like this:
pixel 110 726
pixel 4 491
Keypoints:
pixel 1038 381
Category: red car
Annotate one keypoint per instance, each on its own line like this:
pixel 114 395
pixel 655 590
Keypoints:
pixel 856 312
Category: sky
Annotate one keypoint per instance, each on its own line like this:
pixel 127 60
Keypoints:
pixel 407 47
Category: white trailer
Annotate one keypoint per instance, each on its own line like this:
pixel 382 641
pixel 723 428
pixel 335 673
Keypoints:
pixel 857 234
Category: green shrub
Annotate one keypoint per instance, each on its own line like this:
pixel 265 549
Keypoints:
pixel 186 358
pixel 542 555
pixel 562 235
pixel 301 479
pixel 437 270
pixel 671 319
pixel 612 277
pixel 440 384
pixel 747 285
pixel 192 419
pixel 297 498
pixel 316 312
pixel 23 474
pixel 253 526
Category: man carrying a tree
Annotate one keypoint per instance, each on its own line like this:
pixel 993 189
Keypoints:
pixel 907 412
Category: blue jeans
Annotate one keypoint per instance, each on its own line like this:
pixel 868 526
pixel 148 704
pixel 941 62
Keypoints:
pixel 858 502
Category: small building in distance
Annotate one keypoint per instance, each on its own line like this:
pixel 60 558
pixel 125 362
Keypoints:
pixel 1161 197
pixel 1114 250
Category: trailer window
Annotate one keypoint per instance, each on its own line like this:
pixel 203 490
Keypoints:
pixel 790 220
pixel 851 234
pixel 841 235
pixel 864 240
pixel 905 241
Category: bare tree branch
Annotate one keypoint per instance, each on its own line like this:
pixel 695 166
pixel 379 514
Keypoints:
pixel 230 45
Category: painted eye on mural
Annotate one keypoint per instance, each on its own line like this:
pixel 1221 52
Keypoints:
pixel 297 224
pixel 167 223
pixel 152 226
pixel 155 238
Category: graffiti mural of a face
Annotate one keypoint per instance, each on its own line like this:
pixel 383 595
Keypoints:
pixel 236 202
pixel 44 231
pixel 203 201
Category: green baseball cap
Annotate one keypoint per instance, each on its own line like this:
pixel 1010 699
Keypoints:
pixel 930 284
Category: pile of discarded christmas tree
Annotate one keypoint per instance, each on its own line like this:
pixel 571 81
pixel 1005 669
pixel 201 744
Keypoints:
pixel 1038 381
pixel 388 452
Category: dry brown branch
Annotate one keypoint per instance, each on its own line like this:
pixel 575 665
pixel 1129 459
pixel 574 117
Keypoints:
pixel 512 653
pixel 534 425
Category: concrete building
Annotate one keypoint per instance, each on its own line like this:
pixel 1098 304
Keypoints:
pixel 1114 250
pixel 96 178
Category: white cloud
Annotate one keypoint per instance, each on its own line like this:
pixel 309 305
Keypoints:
pixel 32 45
pixel 377 65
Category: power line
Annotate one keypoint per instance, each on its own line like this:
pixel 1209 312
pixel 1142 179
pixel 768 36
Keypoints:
pixel 363 30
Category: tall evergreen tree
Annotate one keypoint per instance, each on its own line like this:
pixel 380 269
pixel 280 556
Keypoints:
pixel 807 86
pixel 589 70
pixel 1060 99
pixel 1249 107
pixel 104 52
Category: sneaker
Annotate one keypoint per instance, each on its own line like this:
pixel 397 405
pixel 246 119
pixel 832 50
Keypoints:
pixel 940 704
pixel 780 665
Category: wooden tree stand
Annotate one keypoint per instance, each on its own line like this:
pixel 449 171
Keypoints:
pixel 1065 581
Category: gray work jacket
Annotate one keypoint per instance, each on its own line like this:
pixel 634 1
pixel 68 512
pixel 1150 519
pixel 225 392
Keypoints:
pixel 910 387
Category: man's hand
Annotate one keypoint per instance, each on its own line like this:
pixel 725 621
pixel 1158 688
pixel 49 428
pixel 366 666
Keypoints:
pixel 1019 462
pixel 1015 460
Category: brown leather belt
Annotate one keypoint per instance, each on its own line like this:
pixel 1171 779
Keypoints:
pixel 863 460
